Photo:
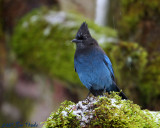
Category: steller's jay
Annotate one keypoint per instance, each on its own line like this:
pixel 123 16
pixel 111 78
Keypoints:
pixel 93 66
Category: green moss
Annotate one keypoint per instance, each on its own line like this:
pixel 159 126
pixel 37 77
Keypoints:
pixel 108 111
pixel 59 120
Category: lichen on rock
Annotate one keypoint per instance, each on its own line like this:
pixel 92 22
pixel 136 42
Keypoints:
pixel 102 111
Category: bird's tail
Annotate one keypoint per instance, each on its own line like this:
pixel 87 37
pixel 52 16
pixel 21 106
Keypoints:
pixel 123 95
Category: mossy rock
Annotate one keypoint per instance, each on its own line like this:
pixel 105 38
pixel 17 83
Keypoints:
pixel 107 111
pixel 42 42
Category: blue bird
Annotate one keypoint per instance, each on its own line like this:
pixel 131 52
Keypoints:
pixel 93 66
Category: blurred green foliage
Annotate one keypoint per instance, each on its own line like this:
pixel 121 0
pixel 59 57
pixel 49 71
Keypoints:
pixel 150 83
pixel 24 106
pixel 129 61
pixel 137 75
pixel 134 12
pixel 140 21
pixel 44 47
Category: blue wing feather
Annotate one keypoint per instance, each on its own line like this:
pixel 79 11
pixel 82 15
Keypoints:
pixel 109 65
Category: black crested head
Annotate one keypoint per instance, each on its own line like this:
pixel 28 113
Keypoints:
pixel 83 32
pixel 83 37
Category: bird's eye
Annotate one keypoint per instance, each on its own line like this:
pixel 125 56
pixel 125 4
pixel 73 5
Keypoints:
pixel 80 38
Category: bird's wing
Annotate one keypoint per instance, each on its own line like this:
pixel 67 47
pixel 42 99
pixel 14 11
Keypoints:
pixel 108 63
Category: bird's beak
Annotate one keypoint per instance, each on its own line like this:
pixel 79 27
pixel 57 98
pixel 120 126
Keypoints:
pixel 77 41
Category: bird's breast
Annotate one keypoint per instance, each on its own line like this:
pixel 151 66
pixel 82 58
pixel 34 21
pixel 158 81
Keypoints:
pixel 91 66
pixel 92 70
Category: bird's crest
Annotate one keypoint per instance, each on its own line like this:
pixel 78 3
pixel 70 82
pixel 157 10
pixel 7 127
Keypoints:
pixel 83 32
